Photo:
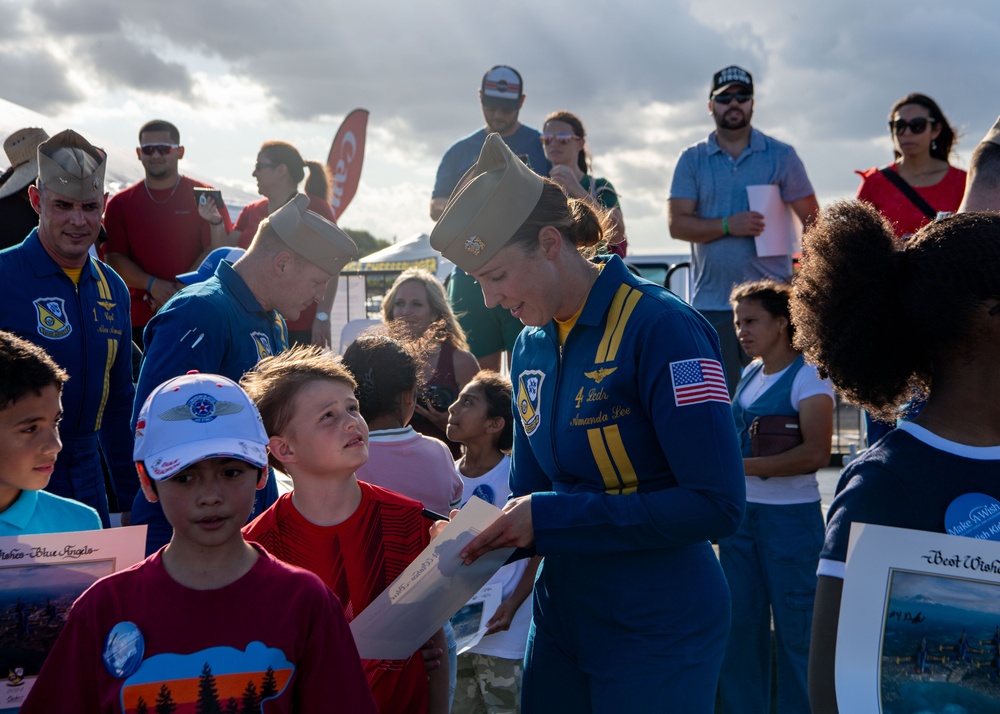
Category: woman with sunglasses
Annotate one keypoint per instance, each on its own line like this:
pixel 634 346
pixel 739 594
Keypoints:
pixel 563 140
pixel 922 143
pixel 927 314
pixel 625 459
pixel 279 170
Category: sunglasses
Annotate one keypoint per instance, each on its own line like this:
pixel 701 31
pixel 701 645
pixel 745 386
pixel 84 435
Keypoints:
pixel 728 98
pixel 258 166
pixel 561 138
pixel 916 126
pixel 161 149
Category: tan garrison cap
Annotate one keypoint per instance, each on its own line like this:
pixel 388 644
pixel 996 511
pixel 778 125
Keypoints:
pixel 72 166
pixel 21 148
pixel 493 200
pixel 313 237
pixel 993 135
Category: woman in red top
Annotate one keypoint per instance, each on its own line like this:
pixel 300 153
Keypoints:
pixel 922 141
pixel 279 170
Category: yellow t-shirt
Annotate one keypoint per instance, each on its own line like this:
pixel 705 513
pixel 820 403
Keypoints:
pixel 74 274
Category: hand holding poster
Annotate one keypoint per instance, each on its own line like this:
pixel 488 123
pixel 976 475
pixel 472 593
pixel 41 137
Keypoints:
pixel 432 589
pixel 40 577
pixel 919 623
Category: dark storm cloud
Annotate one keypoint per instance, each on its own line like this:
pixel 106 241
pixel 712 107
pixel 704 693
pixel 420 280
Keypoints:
pixel 119 61
pixel 36 80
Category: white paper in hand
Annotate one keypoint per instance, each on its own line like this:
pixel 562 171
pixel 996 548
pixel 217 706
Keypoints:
pixel 432 589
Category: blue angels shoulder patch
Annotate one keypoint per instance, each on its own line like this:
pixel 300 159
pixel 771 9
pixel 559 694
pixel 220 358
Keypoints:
pixel 52 319
pixel 529 389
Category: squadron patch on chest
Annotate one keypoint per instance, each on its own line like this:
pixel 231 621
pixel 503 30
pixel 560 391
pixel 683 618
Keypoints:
pixel 529 391
pixel 263 344
pixel 52 319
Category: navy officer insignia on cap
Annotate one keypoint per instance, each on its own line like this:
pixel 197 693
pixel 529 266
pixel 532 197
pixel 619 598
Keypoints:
pixel 474 245
pixel 123 649
pixel 201 408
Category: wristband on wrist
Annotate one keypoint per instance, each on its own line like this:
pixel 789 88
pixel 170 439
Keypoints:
pixel 149 287
pixel 217 223
pixel 725 226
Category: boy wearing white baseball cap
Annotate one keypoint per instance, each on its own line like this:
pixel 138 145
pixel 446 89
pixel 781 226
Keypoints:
pixel 208 615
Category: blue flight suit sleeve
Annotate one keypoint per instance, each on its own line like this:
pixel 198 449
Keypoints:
pixel 188 333
pixel 698 441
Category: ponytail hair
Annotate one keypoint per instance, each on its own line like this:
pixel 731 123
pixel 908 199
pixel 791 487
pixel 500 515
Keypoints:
pixel 583 226
pixel 879 317
pixel 320 180
pixel 385 370
pixel 281 152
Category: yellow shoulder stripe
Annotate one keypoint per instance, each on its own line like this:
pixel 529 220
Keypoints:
pixel 619 313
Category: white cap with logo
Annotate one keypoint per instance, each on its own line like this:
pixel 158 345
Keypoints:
pixel 195 417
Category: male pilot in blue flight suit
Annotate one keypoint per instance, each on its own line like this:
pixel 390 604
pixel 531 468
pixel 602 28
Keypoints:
pixel 228 323
pixel 76 308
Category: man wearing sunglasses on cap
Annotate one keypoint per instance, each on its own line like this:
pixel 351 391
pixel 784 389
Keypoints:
pixel 154 230
pixel 489 331
pixel 709 207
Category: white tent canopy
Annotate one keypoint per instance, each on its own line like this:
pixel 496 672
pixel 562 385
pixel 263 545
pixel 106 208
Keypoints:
pixel 414 252
pixel 353 304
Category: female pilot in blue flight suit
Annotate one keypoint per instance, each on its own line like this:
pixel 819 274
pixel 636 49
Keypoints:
pixel 625 459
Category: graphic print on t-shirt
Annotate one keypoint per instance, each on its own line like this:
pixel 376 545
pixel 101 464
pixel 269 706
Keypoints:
pixel 210 680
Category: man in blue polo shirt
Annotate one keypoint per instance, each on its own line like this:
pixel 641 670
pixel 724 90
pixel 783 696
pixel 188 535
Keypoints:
pixel 708 206
pixel 228 323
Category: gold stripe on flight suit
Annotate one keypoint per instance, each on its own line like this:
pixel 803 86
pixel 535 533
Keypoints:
pixel 627 475
pixel 112 352
pixel 104 291
pixel 621 309
pixel 603 460
pixel 614 314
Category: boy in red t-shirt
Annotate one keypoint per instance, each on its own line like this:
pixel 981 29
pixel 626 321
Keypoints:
pixel 209 621
pixel 356 536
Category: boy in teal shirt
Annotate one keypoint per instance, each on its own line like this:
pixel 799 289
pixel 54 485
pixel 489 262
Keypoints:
pixel 30 410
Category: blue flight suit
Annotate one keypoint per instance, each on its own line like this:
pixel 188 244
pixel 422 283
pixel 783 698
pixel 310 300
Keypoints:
pixel 215 327
pixel 86 329
pixel 628 484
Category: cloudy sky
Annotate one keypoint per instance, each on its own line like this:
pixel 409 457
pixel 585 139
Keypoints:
pixel 235 73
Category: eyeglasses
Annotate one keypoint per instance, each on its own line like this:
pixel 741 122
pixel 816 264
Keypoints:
pixel 916 126
pixel 561 138
pixel 258 166
pixel 728 98
pixel 161 149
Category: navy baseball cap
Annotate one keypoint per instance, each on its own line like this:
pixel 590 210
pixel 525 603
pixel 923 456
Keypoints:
pixel 728 76
pixel 208 266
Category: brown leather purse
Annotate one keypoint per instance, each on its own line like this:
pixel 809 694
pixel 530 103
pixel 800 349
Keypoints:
pixel 774 434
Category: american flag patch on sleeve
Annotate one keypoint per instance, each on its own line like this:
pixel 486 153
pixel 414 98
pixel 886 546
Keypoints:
pixel 697 381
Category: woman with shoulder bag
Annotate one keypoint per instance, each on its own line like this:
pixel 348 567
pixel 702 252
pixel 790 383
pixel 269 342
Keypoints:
pixel 919 182
pixel 770 562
